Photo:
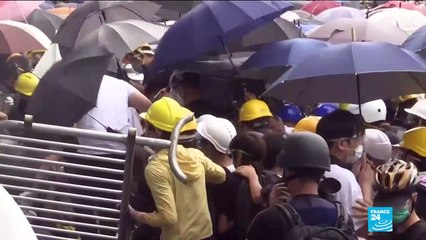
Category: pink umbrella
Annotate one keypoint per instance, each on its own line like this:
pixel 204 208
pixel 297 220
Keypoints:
pixel 17 10
pixel 400 4
pixel 316 7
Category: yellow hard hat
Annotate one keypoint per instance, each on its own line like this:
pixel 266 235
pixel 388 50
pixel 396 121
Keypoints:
pixel 414 140
pixel 307 124
pixel 165 113
pixel 26 83
pixel 254 109
pixel 410 96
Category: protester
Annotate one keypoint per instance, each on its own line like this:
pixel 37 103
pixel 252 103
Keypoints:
pixel 344 134
pixel 305 158
pixel 417 113
pixel 377 146
pixel 185 89
pixel 413 148
pixel 25 85
pixel 254 115
pixel 182 211
pixel 290 114
pixel 398 193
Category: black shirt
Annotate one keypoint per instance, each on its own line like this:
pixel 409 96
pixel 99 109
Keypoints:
pixel 313 210
pixel 415 232
pixel 201 107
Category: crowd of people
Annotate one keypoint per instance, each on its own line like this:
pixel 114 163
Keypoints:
pixel 263 170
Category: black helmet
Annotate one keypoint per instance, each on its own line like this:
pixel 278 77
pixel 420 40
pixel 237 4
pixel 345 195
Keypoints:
pixel 305 150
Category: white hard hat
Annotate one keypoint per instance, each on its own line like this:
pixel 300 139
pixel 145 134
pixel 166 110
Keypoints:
pixel 371 111
pixel 218 131
pixel 377 144
pixel 418 109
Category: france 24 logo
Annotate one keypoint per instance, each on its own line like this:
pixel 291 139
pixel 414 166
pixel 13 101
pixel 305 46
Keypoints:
pixel 380 219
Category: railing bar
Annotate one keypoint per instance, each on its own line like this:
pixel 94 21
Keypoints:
pixel 71 223
pixel 54 237
pixel 80 166
pixel 107 200
pixel 69 175
pixel 69 185
pixel 66 154
pixel 107 219
pixel 67 204
pixel 61 144
pixel 98 236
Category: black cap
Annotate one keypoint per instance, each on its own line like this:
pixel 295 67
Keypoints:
pixel 304 150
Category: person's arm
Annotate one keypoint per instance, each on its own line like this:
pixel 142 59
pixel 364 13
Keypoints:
pixel 160 185
pixel 249 172
pixel 214 173
pixel 137 100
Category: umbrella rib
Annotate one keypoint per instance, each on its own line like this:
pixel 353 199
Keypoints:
pixel 133 12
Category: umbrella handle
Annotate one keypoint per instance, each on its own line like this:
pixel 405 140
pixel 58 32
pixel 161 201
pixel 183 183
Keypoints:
pixel 174 138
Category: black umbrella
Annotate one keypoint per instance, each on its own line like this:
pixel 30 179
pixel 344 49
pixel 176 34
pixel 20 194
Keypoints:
pixel 91 15
pixel 45 21
pixel 70 88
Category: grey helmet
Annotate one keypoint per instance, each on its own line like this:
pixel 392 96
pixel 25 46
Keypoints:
pixel 304 150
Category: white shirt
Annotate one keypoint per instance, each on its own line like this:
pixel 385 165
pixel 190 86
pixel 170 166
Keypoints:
pixel 350 190
pixel 13 223
pixel 112 110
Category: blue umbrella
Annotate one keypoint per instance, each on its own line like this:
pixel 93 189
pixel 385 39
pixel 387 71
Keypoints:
pixel 416 42
pixel 354 73
pixel 276 58
pixel 211 25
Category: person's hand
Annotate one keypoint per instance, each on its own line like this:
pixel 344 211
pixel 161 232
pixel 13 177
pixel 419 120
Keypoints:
pixel 366 174
pixel 279 194
pixel 360 209
pixel 136 215
pixel 3 116
pixel 247 171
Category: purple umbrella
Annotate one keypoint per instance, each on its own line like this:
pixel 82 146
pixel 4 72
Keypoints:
pixel 417 41
pixel 355 72
pixel 211 25
pixel 276 58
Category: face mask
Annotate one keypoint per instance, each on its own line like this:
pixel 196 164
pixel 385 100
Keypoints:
pixel 357 155
pixel 399 216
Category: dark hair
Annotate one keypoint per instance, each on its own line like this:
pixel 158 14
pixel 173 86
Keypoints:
pixel 308 174
pixel 185 79
pixel 250 143
pixel 339 124
pixel 274 142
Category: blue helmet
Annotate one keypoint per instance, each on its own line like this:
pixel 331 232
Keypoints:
pixel 324 109
pixel 290 113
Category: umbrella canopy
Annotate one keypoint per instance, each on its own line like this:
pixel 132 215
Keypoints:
pixel 16 37
pixel 416 42
pixel 91 15
pixel 316 7
pixel 119 37
pixel 50 57
pixel 339 12
pixel 277 30
pixel 190 37
pixel 174 10
pixel 62 12
pixel 340 31
pixel 352 73
pixel 17 10
pixel 276 58
pixel 300 16
pixel 70 88
pixel 45 21
pixel 402 4
pixel 407 20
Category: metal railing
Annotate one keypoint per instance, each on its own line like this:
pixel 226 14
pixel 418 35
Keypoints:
pixel 66 194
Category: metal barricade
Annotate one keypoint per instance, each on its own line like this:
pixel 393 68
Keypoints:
pixel 76 195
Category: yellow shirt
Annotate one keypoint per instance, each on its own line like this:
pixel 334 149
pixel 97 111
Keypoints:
pixel 182 211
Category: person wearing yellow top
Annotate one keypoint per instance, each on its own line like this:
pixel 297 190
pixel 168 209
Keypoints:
pixel 182 210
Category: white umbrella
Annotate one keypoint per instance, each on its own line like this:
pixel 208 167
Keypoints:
pixel 50 57
pixel 339 12
pixel 13 223
pixel 407 20
pixel 18 37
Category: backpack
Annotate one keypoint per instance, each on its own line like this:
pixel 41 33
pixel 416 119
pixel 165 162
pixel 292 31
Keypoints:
pixel 300 231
